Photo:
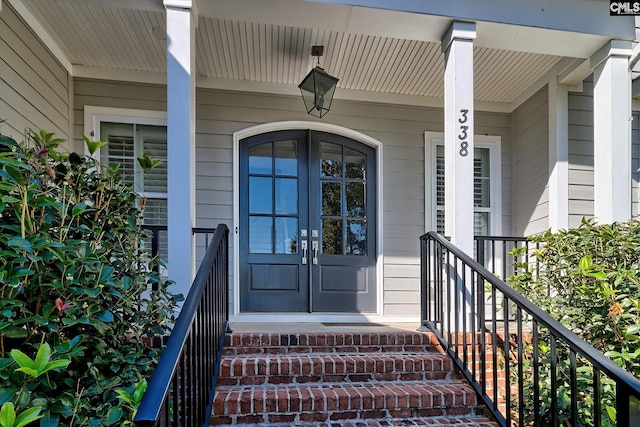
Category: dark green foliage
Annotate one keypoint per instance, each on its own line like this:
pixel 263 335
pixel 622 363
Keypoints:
pixel 589 282
pixel 74 275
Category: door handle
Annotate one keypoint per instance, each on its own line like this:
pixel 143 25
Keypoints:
pixel 304 252
pixel 314 247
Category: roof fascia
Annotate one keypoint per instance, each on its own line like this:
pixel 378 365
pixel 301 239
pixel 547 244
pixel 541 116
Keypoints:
pixel 587 17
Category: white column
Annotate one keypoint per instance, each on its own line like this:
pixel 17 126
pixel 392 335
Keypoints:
pixel 457 45
pixel 612 132
pixel 558 156
pixel 181 21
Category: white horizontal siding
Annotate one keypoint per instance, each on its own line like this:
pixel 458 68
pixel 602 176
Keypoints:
pixel 34 86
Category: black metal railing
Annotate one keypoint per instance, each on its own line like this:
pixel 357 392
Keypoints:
pixel 157 244
pixel 180 392
pixel 526 367
pixel 501 255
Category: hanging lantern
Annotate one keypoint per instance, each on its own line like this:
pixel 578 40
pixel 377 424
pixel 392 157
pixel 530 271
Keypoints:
pixel 318 87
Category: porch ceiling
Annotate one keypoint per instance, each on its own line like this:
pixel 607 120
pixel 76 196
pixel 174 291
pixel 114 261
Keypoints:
pixel 237 49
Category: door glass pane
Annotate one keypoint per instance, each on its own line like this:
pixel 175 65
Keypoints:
pixel 287 196
pixel 331 197
pixel 286 235
pixel 260 235
pixel 355 163
pixel 286 153
pixel 356 238
pixel 332 236
pixel 260 195
pixel 260 159
pixel 355 199
pixel 331 158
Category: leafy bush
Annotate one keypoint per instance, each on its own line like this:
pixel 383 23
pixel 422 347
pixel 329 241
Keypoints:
pixel 588 280
pixel 74 277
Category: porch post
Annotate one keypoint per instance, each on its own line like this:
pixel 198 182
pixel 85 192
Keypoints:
pixel 612 132
pixel 558 156
pixel 457 46
pixel 181 21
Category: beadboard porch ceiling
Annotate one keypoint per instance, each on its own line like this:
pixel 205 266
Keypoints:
pixel 255 44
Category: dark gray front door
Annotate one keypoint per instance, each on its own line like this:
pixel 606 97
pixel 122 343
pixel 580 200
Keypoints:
pixel 307 224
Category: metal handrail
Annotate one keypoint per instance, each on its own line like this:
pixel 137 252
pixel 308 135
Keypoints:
pixel 180 392
pixel 453 306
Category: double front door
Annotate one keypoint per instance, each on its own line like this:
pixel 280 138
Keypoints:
pixel 307 223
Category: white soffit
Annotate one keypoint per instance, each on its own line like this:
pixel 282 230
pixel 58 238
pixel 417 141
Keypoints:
pixel 268 43
pixel 91 34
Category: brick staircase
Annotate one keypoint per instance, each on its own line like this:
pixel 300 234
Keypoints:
pixel 341 379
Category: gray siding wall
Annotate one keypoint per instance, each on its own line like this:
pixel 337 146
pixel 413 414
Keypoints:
pixel 581 154
pixel 530 165
pixel 400 129
pixel 34 86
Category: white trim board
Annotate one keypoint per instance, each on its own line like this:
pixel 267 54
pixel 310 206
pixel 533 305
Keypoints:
pixel 314 126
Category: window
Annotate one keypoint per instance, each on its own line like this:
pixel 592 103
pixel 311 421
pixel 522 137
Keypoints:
pixel 127 142
pixel 486 184
pixel 131 134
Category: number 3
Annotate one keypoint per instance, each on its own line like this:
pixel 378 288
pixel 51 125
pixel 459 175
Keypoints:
pixel 464 117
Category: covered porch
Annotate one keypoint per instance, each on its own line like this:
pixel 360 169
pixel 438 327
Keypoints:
pixel 539 85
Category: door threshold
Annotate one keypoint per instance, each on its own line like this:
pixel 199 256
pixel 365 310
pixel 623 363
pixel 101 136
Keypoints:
pixel 344 318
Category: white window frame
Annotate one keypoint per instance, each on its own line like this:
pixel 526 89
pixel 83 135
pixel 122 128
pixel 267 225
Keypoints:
pixel 94 116
pixel 493 143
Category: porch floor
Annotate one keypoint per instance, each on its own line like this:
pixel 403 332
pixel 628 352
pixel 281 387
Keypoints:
pixel 306 327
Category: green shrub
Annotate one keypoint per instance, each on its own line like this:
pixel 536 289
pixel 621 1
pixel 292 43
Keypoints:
pixel 74 276
pixel 588 281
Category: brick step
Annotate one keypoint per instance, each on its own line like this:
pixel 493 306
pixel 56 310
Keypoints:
pixel 300 403
pixel 333 367
pixel 329 342
pixel 469 421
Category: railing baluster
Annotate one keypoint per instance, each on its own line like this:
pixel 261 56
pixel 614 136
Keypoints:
pixel 449 295
pixel 520 362
pixel 554 381
pixel 457 293
pixel 622 406
pixel 504 254
pixel 473 330
pixel 597 403
pixel 445 273
pixel 573 387
pixel 507 360
pixel 425 281
pixel 483 338
pixel 536 375
pixel 180 392
pixel 494 346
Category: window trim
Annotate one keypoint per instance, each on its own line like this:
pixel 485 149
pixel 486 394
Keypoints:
pixel 95 115
pixel 494 144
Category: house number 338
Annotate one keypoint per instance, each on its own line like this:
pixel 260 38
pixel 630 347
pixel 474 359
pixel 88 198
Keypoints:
pixel 464 144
